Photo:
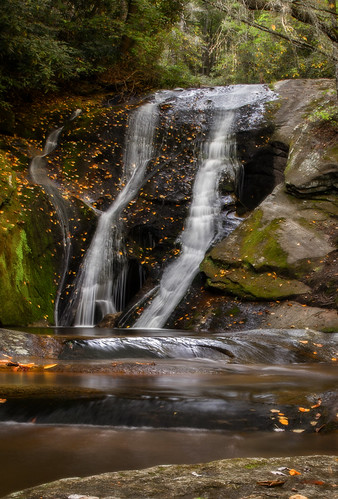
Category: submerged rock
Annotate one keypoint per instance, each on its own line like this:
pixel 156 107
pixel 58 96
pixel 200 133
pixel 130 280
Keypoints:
pixel 254 478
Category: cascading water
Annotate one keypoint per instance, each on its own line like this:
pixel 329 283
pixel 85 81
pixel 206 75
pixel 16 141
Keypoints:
pixel 100 286
pixel 218 158
pixel 63 208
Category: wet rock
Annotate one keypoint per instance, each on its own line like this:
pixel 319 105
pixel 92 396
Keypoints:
pixel 257 478
pixel 287 244
pixel 18 344
pixel 109 320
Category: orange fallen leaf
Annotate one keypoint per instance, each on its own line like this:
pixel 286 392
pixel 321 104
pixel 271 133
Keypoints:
pixel 284 421
pixel 49 366
pixel 303 409
pixel 313 482
pixel 293 472
pixel 2 401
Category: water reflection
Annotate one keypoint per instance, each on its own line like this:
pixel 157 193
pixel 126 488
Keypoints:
pixel 33 454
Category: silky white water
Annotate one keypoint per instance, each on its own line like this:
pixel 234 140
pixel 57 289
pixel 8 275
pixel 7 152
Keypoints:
pixel 218 158
pixel 99 288
pixel 40 176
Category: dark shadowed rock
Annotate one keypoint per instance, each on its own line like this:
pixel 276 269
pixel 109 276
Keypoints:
pixel 109 320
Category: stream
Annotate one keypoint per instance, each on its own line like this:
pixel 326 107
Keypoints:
pixel 133 398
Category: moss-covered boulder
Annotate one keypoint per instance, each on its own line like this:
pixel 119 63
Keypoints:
pixel 287 246
pixel 29 254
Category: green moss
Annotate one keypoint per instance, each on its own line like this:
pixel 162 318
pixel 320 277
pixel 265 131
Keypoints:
pixel 232 312
pixel 331 154
pixel 248 284
pixel 27 264
pixel 260 247
pixel 254 464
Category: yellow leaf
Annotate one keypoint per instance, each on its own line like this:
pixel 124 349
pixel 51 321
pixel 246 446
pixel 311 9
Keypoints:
pixel 273 27
pixel 303 409
pixel 49 366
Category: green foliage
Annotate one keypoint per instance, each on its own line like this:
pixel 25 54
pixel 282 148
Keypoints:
pixel 328 114
pixel 49 45
pixel 45 45
pixel 250 55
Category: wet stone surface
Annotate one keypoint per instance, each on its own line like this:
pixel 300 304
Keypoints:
pixel 258 478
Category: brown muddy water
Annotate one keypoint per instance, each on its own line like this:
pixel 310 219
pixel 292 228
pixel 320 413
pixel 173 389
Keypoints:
pixel 133 400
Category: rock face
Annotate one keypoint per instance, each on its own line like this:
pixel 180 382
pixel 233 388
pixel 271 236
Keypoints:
pixel 285 248
pixel 297 477
pixel 20 345
pixel 288 244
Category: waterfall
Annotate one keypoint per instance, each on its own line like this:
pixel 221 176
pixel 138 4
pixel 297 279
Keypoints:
pixel 218 158
pixel 39 175
pixel 100 285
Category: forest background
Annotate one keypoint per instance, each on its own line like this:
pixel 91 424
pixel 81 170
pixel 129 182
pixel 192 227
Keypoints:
pixel 138 45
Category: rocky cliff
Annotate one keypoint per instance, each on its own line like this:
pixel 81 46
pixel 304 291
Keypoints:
pixel 286 248
pixel 277 268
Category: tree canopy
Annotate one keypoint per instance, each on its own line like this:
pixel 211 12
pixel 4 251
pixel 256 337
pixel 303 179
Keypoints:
pixel 47 45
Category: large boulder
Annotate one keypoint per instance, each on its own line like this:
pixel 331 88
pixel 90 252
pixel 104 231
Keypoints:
pixel 286 247
pixel 299 477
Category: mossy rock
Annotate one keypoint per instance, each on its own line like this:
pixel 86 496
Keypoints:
pixel 250 285
pixel 29 256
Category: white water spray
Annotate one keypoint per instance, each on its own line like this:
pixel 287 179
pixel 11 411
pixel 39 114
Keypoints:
pixel 40 176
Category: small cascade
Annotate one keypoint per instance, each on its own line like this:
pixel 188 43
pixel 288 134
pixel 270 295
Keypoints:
pixel 100 286
pixel 39 175
pixel 218 158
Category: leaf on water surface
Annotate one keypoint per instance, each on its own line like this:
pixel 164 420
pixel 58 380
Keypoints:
pixel 49 366
pixel 271 483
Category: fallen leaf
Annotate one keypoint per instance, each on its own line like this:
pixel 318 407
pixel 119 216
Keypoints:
pixel 271 483
pixel 293 472
pixel 303 409
pixel 49 366
pixel 2 401
pixel 313 482
pixel 319 402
